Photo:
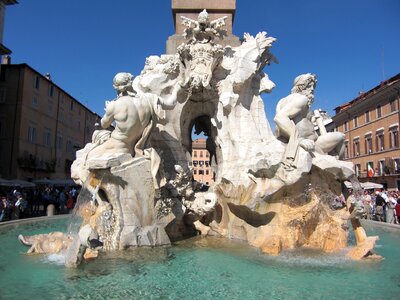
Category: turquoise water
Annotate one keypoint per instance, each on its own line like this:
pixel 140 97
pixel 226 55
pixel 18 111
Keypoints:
pixel 199 268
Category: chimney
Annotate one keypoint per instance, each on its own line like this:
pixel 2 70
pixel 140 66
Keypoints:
pixel 48 76
pixel 6 60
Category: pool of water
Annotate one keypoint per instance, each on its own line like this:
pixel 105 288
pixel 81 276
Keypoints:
pixel 199 268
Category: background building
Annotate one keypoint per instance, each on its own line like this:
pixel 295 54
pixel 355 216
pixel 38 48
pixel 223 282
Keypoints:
pixel 202 171
pixel 371 125
pixel 41 125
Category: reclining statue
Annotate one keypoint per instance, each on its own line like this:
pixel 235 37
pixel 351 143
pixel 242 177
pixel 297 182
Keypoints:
pixel 294 121
pixel 134 117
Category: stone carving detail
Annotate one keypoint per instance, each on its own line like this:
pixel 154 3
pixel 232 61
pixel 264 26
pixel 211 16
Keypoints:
pixel 203 30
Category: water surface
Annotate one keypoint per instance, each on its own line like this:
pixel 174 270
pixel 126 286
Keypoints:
pixel 199 268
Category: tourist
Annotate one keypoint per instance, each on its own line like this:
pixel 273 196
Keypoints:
pixel 70 202
pixel 5 207
pixel 391 204
pixel 379 206
pixel 397 210
pixel 367 202
pixel 21 206
pixel 62 201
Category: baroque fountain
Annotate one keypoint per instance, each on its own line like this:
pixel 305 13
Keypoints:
pixel 275 191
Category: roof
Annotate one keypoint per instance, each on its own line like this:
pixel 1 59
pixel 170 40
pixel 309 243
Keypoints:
pixel 10 2
pixel 4 50
pixel 363 96
pixel 199 143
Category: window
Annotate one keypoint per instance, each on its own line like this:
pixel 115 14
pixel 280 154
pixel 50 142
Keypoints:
pixel 345 126
pixel 72 105
pixel 357 169
pixel 381 167
pixel 356 147
pixel 355 122
pixel 195 163
pixel 79 124
pixel 201 153
pixel 47 138
pixel 368 144
pixel 2 95
pixel 397 165
pixel 207 163
pixel 371 166
pixel 59 141
pixel 367 120
pixel 201 163
pixel 380 141
pixel 190 163
pixel 207 154
pixel 194 172
pixel 394 137
pixel 36 82
pixel 50 108
pixel 378 111
pixel 207 172
pixel 393 105
pixel 346 149
pixel 61 117
pixel 32 134
pixel 50 91
pixel 35 101
pixel 195 153
pixel 201 172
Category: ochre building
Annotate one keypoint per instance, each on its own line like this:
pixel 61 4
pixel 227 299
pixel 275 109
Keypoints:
pixel 371 125
pixel 201 162
pixel 41 125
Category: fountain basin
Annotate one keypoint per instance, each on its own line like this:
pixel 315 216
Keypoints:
pixel 197 268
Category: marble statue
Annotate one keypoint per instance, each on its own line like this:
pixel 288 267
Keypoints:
pixel 294 121
pixel 133 116
pixel 273 191
pixel 54 242
pixel 203 30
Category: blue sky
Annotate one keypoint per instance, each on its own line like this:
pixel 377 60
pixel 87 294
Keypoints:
pixel 352 45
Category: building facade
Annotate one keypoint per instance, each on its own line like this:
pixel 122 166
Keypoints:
pixel 201 162
pixel 371 125
pixel 41 125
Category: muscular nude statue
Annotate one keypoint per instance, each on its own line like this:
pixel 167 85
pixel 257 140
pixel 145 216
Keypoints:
pixel 294 122
pixel 133 116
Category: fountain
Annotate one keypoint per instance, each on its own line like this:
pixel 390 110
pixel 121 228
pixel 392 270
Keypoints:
pixel 272 192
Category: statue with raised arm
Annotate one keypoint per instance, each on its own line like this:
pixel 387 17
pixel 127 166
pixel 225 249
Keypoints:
pixel 295 124
pixel 133 115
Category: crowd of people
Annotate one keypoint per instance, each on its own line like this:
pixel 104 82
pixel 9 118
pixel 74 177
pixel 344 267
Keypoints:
pixel 381 205
pixel 33 202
